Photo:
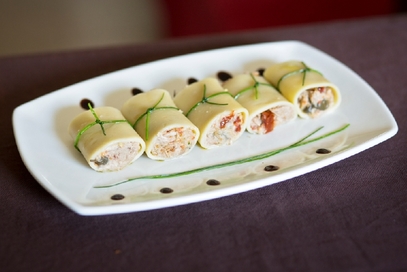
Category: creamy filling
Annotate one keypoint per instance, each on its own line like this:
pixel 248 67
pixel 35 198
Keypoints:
pixel 174 142
pixel 266 121
pixel 315 101
pixel 116 156
pixel 225 129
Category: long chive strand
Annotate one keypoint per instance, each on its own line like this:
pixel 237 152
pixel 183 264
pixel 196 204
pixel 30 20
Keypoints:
pixel 301 142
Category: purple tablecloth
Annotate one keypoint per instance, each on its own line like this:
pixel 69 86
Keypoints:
pixel 349 216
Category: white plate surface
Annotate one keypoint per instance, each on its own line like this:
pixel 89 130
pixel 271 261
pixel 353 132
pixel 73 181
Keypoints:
pixel 40 128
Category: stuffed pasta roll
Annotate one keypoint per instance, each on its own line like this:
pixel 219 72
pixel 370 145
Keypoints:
pixel 220 119
pixel 105 139
pixel 168 134
pixel 310 92
pixel 267 107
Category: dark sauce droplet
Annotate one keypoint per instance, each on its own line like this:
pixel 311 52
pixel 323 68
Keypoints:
pixel 223 76
pixel 166 190
pixel 271 168
pixel 261 71
pixel 84 103
pixel 191 80
pixel 323 151
pixel 213 182
pixel 117 197
pixel 136 91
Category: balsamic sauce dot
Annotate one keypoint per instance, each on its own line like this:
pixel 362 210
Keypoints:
pixel 84 103
pixel 117 197
pixel 323 151
pixel 213 182
pixel 261 71
pixel 136 91
pixel 191 80
pixel 271 168
pixel 166 190
pixel 223 76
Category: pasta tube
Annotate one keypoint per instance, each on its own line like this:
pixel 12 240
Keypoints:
pixel 220 119
pixel 168 134
pixel 105 139
pixel 310 92
pixel 266 106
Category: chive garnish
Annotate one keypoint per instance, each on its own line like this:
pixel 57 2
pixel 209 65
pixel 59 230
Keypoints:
pixel 97 122
pixel 304 71
pixel 148 113
pixel 304 141
pixel 205 99
pixel 255 87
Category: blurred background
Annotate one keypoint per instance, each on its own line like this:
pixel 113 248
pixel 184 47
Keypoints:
pixel 38 26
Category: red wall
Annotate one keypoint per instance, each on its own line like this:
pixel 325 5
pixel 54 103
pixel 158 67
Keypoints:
pixel 192 17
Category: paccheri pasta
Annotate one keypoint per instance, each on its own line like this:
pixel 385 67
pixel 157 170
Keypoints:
pixel 167 132
pixel 266 106
pixel 205 111
pixel 105 139
pixel 220 119
pixel 310 92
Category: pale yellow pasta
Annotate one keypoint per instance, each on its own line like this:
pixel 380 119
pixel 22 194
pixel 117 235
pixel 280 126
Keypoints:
pixel 167 132
pixel 109 145
pixel 266 106
pixel 310 92
pixel 220 119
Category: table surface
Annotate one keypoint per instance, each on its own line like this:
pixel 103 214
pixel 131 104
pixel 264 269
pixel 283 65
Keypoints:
pixel 349 216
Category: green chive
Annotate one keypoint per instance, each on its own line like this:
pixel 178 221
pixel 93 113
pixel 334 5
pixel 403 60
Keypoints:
pixel 301 142
pixel 303 71
pixel 148 113
pixel 206 100
pixel 97 121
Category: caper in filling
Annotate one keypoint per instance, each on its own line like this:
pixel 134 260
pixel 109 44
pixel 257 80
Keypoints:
pixel 316 100
pixel 102 161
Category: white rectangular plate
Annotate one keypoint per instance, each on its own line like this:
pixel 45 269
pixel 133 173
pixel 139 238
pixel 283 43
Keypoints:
pixel 40 128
